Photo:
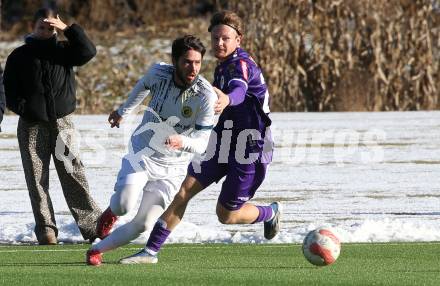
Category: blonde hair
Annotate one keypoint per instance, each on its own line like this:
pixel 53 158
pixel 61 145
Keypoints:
pixel 227 18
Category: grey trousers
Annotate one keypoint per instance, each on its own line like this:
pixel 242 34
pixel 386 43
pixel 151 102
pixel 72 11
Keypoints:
pixel 38 142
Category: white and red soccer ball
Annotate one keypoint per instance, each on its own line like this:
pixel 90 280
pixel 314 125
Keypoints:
pixel 321 247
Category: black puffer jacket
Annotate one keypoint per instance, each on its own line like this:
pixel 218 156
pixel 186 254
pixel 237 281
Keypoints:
pixel 39 79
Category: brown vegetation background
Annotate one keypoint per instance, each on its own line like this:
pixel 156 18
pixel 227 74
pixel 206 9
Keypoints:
pixel 343 55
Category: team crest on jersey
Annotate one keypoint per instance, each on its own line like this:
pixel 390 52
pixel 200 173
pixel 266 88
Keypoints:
pixel 187 111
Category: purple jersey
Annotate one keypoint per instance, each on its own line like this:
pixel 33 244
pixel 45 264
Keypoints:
pixel 240 78
pixel 248 109
pixel 250 113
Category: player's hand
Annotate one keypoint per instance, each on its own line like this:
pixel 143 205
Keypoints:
pixel 114 119
pixel 56 22
pixel 174 142
pixel 222 101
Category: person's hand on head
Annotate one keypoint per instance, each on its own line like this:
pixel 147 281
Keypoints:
pixel 56 22
pixel 222 102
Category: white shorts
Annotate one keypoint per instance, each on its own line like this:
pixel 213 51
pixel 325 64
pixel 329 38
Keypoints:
pixel 149 175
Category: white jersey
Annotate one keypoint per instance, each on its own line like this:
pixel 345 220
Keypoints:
pixel 171 110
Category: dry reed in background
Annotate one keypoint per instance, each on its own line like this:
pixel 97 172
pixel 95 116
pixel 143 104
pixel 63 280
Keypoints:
pixel 342 55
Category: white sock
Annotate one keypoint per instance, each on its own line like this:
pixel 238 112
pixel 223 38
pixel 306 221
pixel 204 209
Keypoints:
pixel 120 236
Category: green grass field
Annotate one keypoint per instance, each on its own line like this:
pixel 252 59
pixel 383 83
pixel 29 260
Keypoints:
pixel 224 264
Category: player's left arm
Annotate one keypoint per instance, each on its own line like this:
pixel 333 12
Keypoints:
pixel 136 96
pixel 197 140
pixel 139 92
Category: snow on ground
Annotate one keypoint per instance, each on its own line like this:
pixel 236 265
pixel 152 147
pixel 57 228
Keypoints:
pixel 373 177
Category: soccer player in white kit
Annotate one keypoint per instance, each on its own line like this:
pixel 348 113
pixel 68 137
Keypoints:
pixel 175 126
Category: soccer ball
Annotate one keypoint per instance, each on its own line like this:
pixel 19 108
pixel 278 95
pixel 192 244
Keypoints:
pixel 321 247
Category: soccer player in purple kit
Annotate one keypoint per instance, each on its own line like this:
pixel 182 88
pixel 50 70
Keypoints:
pixel 242 149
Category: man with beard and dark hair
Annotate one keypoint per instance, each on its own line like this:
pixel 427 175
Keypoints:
pixel 175 126
pixel 40 87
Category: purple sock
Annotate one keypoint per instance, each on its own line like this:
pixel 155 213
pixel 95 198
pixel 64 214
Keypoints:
pixel 265 213
pixel 157 237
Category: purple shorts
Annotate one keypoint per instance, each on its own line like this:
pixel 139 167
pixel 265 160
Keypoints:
pixel 242 180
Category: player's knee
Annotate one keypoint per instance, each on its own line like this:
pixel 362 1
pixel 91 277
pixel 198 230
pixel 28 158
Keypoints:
pixel 120 204
pixel 189 188
pixel 225 217
pixel 183 196
pixel 118 209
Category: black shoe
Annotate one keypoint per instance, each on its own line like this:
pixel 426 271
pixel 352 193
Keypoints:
pixel 272 227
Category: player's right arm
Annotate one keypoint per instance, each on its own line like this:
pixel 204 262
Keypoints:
pixel 140 91
pixel 234 91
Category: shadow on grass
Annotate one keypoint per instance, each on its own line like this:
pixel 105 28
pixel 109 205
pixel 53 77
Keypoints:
pixel 43 264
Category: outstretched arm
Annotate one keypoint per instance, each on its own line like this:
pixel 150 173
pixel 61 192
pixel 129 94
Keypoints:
pixel 139 92
pixel 235 97
pixel 137 95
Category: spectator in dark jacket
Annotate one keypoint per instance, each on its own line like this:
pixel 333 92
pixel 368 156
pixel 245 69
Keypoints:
pixel 2 98
pixel 40 88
